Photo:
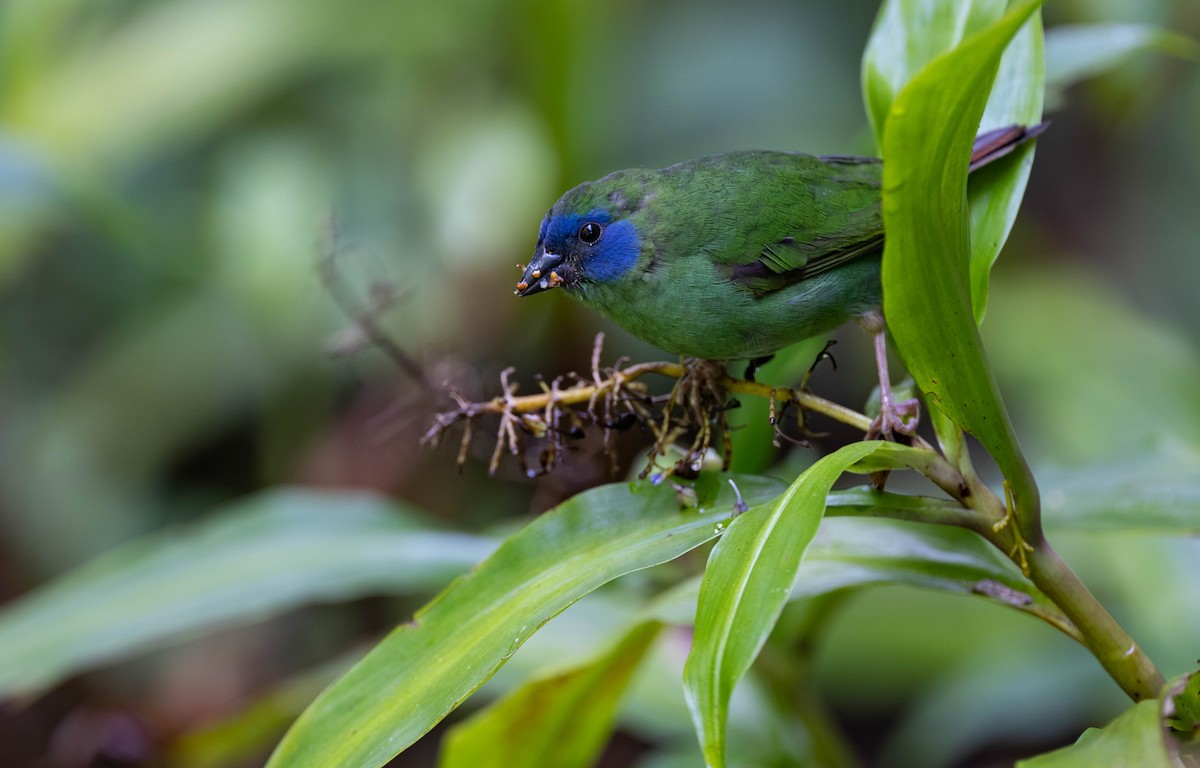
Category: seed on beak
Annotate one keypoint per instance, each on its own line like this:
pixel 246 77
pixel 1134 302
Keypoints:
pixel 536 274
pixel 522 285
pixel 520 267
pixel 555 280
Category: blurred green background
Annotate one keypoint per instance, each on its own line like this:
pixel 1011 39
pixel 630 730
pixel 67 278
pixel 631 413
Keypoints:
pixel 186 184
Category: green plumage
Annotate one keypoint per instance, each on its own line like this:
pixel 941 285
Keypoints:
pixel 728 256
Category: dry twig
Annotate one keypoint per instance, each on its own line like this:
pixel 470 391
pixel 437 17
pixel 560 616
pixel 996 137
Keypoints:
pixel 613 399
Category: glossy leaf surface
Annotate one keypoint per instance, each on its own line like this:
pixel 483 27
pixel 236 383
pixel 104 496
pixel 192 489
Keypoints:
pixel 926 267
pixel 252 560
pixel 1135 739
pixel 421 671
pixel 564 720
pixel 745 586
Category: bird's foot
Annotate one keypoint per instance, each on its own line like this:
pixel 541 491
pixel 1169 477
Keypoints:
pixel 697 404
pixel 894 418
pixel 824 354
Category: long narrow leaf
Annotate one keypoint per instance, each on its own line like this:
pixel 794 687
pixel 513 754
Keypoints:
pixel 866 551
pixel 995 192
pixel 907 35
pixel 745 587
pixel 424 669
pixel 562 721
pixel 926 272
pixel 254 559
pixel 852 552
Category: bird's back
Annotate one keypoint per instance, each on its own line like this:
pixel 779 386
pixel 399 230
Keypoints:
pixel 797 206
pixel 738 247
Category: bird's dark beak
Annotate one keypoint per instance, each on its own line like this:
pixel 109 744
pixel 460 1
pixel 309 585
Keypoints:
pixel 545 271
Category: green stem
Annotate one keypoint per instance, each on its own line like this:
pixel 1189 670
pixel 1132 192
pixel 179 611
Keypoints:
pixel 1026 507
pixel 1094 627
pixel 1116 651
pixel 1022 539
pixel 1016 529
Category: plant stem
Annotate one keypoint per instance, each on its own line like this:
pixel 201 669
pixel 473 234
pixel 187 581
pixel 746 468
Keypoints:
pixel 806 400
pixel 1116 651
pixel 1092 625
pixel 536 403
pixel 1023 541
pixel 1014 528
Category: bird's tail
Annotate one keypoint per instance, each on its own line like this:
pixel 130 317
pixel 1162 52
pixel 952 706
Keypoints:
pixel 999 142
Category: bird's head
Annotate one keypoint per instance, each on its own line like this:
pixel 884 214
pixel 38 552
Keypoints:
pixel 589 236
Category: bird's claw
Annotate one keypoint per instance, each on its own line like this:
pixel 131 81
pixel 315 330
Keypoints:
pixel 900 418
pixel 754 364
pixel 894 419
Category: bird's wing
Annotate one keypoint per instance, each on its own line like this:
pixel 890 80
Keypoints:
pixel 770 271
pixel 820 213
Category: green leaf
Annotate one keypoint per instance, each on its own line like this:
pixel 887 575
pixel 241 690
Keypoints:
pixel 910 34
pixel 745 587
pixel 889 456
pixel 562 721
pixel 243 737
pixel 907 35
pixel 254 559
pixel 866 500
pixel 1182 709
pixel 1156 491
pixel 860 552
pixel 1082 51
pixel 850 552
pixel 926 273
pixel 1133 740
pixel 995 191
pixel 424 669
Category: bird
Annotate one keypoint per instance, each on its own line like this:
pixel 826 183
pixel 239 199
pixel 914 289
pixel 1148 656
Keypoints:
pixel 734 256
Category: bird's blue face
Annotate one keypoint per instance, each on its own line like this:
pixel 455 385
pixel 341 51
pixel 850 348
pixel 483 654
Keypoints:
pixel 575 248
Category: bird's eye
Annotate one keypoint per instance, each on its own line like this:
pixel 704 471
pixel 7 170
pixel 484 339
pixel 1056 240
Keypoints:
pixel 590 232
